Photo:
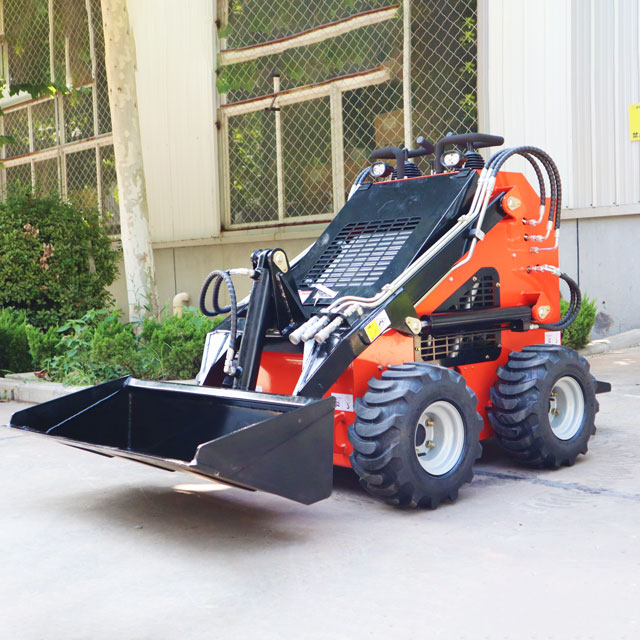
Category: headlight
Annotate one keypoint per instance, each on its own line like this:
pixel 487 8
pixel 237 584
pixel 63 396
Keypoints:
pixel 452 159
pixel 380 169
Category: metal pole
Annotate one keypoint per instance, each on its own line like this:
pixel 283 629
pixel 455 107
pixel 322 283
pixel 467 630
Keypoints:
pixel 337 148
pixel 279 162
pixel 94 96
pixel 406 74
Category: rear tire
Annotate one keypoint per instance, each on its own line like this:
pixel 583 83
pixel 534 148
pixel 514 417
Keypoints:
pixel 544 406
pixel 415 437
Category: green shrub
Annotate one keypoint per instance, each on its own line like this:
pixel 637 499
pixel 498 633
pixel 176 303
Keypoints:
pixel 72 362
pixel 577 335
pixel 114 347
pixel 56 260
pixel 42 344
pixel 14 347
pixel 98 347
pixel 173 347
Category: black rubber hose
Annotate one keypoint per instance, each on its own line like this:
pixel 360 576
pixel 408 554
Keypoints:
pixel 552 170
pixel 544 160
pixel 217 278
pixel 536 168
pixel 572 312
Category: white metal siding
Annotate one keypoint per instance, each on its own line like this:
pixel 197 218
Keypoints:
pixel 560 75
pixel 527 73
pixel 175 83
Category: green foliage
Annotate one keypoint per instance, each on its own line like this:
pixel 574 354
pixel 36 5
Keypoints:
pixel 98 347
pixel 73 362
pixel 57 261
pixel 42 344
pixel 14 347
pixel 577 335
pixel 173 347
pixel 115 348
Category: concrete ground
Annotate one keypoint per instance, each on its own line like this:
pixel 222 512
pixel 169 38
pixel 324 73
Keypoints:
pixel 95 548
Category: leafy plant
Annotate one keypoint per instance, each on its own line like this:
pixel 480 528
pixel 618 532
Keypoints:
pixel 57 260
pixel 98 347
pixel 42 344
pixel 115 347
pixel 577 335
pixel 173 346
pixel 73 362
pixel 14 347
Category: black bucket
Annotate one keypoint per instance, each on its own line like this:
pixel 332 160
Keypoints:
pixel 278 444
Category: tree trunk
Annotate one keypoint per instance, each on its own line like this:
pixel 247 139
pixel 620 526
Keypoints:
pixel 120 63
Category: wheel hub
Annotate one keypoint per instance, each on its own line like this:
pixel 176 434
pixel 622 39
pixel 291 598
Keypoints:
pixel 566 408
pixel 439 438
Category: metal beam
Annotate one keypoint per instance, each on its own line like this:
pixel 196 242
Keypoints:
pixel 308 92
pixel 310 36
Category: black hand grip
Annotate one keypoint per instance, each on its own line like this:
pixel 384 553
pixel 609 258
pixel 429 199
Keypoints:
pixel 477 140
pixel 427 147
pixel 388 153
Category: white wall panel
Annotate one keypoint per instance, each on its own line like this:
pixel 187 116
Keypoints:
pixel 602 103
pixel 175 84
pixel 581 193
pixel 560 75
pixel 528 70
pixel 626 92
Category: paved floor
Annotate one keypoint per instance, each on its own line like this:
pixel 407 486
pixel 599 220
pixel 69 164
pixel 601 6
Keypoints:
pixel 94 548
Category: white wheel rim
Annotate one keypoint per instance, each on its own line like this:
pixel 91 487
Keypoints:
pixel 566 408
pixel 439 438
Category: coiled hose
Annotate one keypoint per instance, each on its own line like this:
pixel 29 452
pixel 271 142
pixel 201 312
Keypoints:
pixel 217 277
pixel 574 307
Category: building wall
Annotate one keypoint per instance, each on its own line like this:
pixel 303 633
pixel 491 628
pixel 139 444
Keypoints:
pixel 176 101
pixel 560 74
pixel 176 59
pixel 179 106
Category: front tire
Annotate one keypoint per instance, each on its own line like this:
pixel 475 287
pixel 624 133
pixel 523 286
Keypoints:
pixel 544 406
pixel 416 435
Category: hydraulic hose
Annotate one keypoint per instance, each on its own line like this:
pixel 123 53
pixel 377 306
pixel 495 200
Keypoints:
pixel 574 307
pixel 498 159
pixel 536 168
pixel 217 277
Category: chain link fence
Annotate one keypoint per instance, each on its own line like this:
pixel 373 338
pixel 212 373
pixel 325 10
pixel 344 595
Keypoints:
pixel 337 69
pixel 342 89
pixel 63 143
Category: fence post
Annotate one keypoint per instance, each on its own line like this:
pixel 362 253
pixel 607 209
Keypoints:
pixel 337 148
pixel 406 74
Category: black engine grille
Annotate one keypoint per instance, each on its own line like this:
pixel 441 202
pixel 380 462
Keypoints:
pixel 361 252
pixel 460 347
pixel 478 293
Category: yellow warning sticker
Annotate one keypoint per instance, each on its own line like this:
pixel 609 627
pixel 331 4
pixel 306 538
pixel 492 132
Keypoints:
pixel 379 324
pixel 372 330
pixel 634 121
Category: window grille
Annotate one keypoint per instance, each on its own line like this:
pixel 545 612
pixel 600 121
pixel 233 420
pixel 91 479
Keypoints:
pixel 308 90
pixel 62 144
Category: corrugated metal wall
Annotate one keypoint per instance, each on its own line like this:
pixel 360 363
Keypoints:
pixel 176 93
pixel 560 74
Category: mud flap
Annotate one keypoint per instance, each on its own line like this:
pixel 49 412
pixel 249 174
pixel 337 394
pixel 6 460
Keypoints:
pixel 258 441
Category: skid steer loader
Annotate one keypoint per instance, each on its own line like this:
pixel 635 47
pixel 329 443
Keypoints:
pixel 424 319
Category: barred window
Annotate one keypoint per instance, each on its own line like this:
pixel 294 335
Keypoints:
pixel 62 144
pixel 309 89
